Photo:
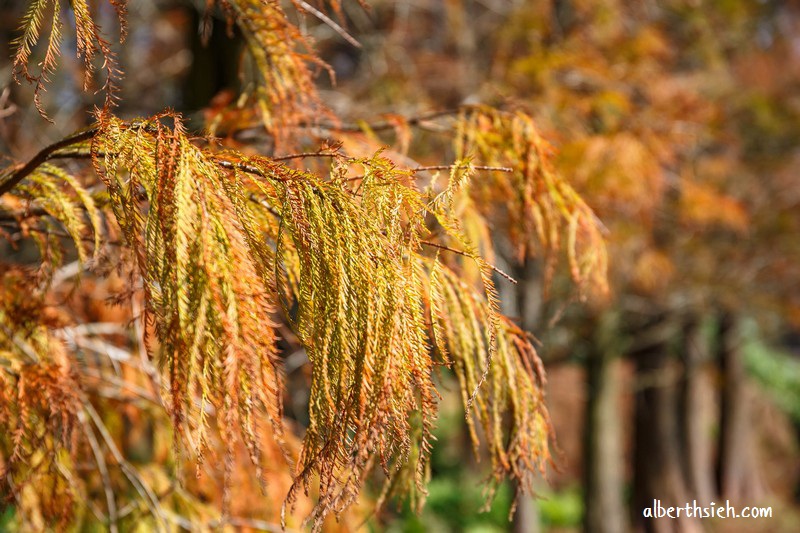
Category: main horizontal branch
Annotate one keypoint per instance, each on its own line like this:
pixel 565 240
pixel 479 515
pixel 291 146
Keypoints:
pixel 43 156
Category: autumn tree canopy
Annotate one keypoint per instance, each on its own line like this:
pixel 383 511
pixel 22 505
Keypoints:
pixel 162 276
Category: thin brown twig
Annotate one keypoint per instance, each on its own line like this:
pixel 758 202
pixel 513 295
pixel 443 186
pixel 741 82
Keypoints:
pixel 51 152
pixel 329 22
pixel 457 165
pixel 22 214
pixel 357 127
pixel 445 167
pixel 65 154
pixel 250 169
pixel 43 156
pixel 100 461
pixel 56 233
pixel 416 120
pixel 465 254
pixel 304 155
pixel 253 523
pixel 140 485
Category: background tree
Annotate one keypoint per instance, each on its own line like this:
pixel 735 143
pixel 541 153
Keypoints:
pixel 651 103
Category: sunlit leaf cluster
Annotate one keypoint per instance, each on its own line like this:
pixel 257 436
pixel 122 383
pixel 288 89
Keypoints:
pixel 223 265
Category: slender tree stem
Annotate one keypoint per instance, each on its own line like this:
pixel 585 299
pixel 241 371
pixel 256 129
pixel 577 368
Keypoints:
pixel 50 152
pixel 456 165
pixel 465 254
pixel 43 156
pixel 330 23
pixel 388 124
pixel 416 121
pixel 303 155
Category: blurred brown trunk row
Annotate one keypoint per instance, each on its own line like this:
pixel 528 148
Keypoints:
pixel 692 435
pixel 687 390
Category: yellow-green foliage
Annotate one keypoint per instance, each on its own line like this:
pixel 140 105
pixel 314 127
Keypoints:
pixel 71 207
pixel 540 211
pixel 499 373
pixel 379 279
pixel 361 319
pixel 206 273
pixel 90 42
pixel 282 81
pixel 39 405
pixel 222 241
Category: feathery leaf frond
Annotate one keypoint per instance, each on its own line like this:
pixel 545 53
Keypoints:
pixel 39 405
pixel 283 80
pixel 45 187
pixel 90 42
pixel 206 276
pixel 229 246
pixel 508 403
pixel 360 317
pixel 543 215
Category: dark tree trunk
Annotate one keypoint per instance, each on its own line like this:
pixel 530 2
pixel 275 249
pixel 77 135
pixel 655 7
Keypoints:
pixel 215 63
pixel 604 469
pixel 739 480
pixel 529 297
pixel 698 414
pixel 658 472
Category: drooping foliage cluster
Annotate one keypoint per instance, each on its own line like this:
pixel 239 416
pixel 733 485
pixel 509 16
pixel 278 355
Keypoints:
pixel 45 17
pixel 226 257
pixel 39 409
pixel 543 215
pixel 282 84
pixel 279 80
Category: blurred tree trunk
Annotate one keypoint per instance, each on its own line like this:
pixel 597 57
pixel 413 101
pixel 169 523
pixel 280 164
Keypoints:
pixel 563 19
pixel 698 413
pixel 526 518
pixel 526 305
pixel 604 469
pixel 658 471
pixel 529 296
pixel 739 480
pixel 215 63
